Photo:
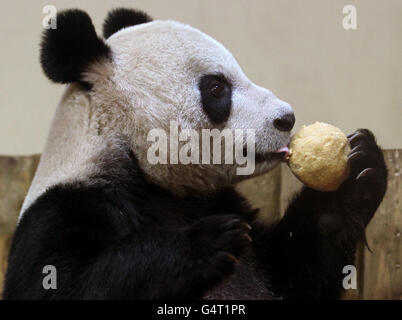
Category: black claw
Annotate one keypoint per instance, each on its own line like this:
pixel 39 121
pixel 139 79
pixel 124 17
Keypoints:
pixel 357 138
pixel 350 136
pixel 357 148
pixel 248 238
pixel 355 155
pixel 366 172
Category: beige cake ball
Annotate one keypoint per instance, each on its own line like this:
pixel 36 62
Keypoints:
pixel 319 156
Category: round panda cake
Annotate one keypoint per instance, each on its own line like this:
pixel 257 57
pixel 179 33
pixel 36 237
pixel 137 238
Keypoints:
pixel 319 156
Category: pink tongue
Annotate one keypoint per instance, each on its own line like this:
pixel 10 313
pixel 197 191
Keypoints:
pixel 285 151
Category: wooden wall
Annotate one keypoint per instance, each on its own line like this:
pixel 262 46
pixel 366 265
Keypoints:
pixel 379 271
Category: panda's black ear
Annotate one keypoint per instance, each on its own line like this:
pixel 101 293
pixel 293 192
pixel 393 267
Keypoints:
pixel 120 18
pixel 68 50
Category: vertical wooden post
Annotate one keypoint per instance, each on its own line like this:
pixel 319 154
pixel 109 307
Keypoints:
pixel 382 266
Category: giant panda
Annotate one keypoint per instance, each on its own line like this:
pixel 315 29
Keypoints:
pixel 115 226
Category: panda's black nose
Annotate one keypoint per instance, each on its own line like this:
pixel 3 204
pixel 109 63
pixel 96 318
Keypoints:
pixel 285 122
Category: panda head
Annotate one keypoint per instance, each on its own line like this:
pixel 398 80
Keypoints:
pixel 146 75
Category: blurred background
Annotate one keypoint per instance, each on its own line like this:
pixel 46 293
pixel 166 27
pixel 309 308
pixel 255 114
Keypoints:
pixel 299 49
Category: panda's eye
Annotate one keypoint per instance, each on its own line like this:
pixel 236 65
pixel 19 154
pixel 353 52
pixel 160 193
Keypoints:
pixel 216 97
pixel 217 90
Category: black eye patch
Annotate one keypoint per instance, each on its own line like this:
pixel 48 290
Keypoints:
pixel 216 97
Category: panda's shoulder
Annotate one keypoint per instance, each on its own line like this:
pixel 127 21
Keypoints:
pixel 75 210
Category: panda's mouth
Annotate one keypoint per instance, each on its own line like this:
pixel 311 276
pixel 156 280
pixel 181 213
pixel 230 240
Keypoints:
pixel 281 154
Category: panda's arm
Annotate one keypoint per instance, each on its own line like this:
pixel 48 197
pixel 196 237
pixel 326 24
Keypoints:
pixel 162 264
pixel 101 250
pixel 306 251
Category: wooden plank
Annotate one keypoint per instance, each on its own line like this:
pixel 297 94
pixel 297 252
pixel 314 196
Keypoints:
pixel 382 266
pixel 5 242
pixel 16 174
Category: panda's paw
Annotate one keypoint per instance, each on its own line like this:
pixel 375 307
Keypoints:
pixel 367 181
pixel 217 242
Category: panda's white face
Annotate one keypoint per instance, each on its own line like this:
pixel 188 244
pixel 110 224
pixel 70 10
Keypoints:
pixel 165 71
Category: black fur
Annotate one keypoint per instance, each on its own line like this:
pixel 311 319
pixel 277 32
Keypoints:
pixel 217 107
pixel 67 51
pixel 120 18
pixel 126 238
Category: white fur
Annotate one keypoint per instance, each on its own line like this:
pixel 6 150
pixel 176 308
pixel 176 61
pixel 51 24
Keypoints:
pixel 153 79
